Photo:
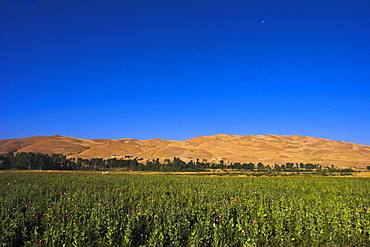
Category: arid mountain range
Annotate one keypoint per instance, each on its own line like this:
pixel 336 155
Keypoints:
pixel 268 149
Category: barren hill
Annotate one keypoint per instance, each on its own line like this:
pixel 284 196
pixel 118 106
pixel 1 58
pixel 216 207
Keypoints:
pixel 268 149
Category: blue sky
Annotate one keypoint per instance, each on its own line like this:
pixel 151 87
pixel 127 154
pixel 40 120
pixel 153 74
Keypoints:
pixel 181 69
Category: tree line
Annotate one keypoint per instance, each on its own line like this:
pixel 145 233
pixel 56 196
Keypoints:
pixel 38 161
pixel 32 161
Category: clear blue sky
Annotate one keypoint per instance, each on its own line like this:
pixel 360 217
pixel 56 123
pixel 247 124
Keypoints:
pixel 181 69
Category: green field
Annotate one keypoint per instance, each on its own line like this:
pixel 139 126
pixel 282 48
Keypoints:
pixel 89 209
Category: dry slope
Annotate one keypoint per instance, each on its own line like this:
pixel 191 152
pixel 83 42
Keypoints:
pixel 269 149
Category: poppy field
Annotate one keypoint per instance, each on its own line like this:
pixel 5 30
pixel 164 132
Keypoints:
pixel 66 209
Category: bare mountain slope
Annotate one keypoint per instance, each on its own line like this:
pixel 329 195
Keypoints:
pixel 269 149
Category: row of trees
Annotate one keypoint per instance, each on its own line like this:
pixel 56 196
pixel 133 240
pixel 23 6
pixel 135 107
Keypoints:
pixel 292 167
pixel 31 161
pixel 40 161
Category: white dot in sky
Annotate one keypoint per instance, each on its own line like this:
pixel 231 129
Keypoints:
pixel 263 21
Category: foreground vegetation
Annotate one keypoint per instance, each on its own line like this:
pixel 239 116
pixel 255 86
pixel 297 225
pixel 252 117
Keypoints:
pixel 67 209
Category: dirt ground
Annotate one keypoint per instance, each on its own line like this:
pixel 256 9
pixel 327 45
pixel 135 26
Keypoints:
pixel 365 174
pixel 362 174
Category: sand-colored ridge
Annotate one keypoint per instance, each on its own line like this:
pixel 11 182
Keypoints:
pixel 269 149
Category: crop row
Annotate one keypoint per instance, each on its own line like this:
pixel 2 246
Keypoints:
pixel 95 210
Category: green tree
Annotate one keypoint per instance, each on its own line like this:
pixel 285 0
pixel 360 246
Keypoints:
pixel 260 166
